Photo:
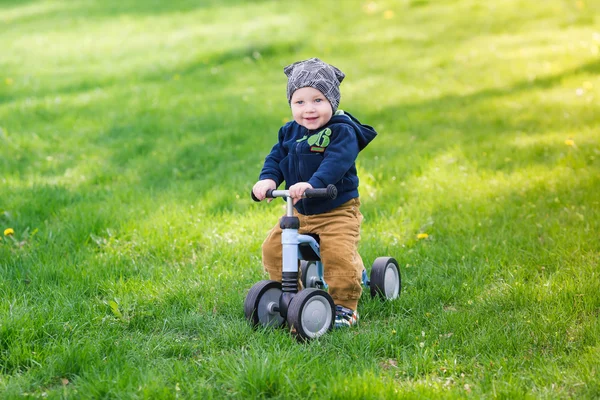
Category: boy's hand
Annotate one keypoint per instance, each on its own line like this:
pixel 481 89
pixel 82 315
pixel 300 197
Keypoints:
pixel 260 188
pixel 297 190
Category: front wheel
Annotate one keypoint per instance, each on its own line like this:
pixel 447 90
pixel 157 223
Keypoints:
pixel 385 278
pixel 311 314
pixel 262 304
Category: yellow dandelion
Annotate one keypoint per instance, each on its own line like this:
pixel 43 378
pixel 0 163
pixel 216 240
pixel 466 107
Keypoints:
pixel 422 236
pixel 388 14
pixel 9 232
pixel 570 142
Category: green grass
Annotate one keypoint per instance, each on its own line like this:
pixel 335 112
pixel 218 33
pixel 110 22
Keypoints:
pixel 131 133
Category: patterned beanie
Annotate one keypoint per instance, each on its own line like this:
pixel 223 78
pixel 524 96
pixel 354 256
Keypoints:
pixel 316 74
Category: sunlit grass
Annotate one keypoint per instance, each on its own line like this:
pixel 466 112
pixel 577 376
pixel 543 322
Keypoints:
pixel 130 136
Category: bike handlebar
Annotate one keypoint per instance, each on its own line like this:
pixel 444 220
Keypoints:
pixel 330 192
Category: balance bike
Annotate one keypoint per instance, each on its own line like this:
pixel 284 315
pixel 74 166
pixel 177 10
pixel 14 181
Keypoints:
pixel 310 312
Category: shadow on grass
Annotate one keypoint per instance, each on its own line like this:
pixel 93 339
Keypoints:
pixel 205 65
pixel 113 8
pixel 212 156
pixel 474 123
pixel 116 8
pixel 8 4
pixel 539 83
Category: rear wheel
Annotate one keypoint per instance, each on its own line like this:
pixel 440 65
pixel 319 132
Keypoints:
pixel 311 314
pixel 262 304
pixel 385 278
pixel 310 274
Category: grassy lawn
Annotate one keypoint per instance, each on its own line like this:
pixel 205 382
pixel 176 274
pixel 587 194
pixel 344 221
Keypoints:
pixel 132 131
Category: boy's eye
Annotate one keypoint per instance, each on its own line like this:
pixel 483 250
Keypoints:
pixel 318 100
pixel 299 102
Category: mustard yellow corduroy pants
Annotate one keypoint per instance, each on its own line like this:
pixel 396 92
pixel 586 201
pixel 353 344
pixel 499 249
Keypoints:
pixel 339 232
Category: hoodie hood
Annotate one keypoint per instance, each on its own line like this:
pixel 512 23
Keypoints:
pixel 364 133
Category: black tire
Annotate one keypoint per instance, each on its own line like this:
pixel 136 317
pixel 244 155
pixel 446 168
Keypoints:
pixel 311 314
pixel 309 273
pixel 260 302
pixel 386 282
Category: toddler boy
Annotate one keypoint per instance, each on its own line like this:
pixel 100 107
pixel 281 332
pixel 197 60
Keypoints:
pixel 319 147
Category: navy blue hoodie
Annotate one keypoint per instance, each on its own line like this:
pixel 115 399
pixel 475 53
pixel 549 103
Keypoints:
pixel 320 157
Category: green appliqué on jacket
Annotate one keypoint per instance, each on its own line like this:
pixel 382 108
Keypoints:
pixel 319 141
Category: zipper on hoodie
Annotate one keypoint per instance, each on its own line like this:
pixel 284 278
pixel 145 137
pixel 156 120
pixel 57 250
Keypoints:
pixel 298 177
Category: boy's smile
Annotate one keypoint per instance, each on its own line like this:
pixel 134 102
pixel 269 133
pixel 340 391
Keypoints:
pixel 310 108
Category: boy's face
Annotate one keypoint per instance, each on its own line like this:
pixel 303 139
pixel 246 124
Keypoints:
pixel 310 108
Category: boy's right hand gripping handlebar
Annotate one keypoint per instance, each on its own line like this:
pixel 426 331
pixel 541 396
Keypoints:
pixel 330 192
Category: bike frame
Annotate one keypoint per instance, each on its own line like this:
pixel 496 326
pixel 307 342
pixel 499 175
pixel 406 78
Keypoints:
pixel 291 240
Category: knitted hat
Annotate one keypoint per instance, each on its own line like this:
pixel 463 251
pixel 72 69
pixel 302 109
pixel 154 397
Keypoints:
pixel 316 74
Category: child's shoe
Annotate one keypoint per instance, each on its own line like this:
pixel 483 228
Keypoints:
pixel 345 317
